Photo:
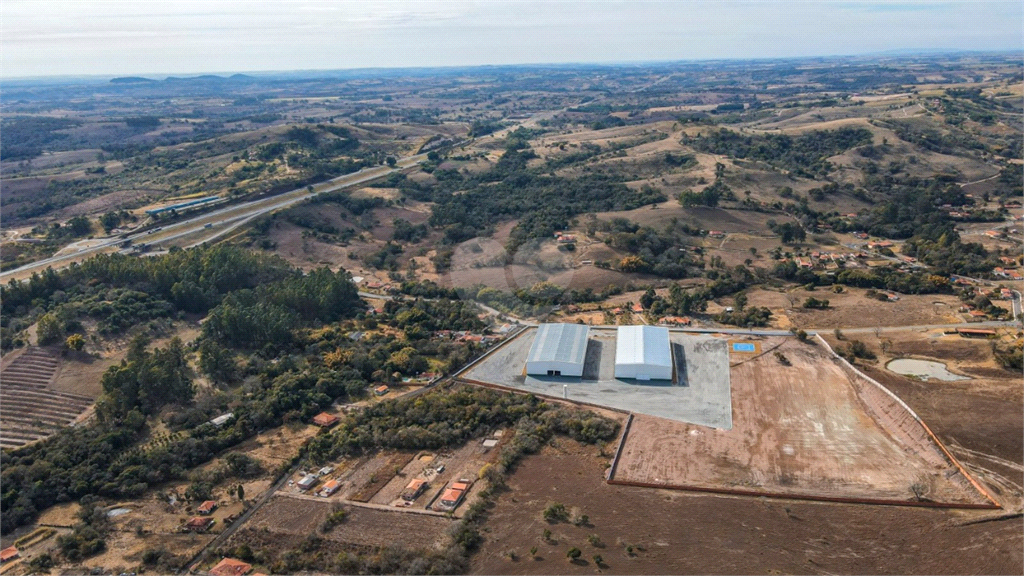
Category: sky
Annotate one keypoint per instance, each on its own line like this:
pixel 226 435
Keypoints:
pixel 146 37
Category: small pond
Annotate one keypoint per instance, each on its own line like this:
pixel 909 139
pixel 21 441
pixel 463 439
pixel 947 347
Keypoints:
pixel 923 369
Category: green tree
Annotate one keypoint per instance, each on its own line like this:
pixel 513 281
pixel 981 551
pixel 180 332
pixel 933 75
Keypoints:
pixel 75 342
pixel 79 226
pixel 217 362
pixel 647 300
pixel 573 554
pixel 49 329
pixel 110 220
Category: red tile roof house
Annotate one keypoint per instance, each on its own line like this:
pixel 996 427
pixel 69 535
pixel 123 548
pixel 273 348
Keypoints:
pixel 325 420
pixel 199 524
pixel 207 508
pixel 231 567
pixel 9 553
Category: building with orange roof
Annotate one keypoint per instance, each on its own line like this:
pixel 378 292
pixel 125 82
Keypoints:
pixel 231 567
pixel 9 553
pixel 325 420
pixel 199 524
pixel 413 490
pixel 453 496
pixel 329 488
pixel 207 508
pixel 975 332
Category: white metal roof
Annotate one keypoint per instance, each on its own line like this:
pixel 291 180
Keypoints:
pixel 643 345
pixel 559 343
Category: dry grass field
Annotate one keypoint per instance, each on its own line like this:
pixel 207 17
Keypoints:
pixel 852 309
pixel 673 532
pixel 284 518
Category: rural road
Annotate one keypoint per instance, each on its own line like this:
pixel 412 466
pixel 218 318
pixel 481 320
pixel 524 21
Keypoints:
pixel 229 530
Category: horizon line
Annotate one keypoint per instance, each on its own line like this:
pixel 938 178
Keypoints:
pixel 159 76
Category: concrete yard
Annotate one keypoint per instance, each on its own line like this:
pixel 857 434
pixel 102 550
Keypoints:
pixel 699 394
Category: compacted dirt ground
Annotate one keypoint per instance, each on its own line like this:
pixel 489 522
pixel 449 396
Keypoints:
pixel 803 424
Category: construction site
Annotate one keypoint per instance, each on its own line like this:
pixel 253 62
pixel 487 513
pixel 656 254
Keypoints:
pixel 757 415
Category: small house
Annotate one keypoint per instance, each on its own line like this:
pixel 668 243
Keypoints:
pixel 222 419
pixel 330 488
pixel 207 508
pixel 381 390
pixel 307 482
pixel 199 524
pixel 325 420
pixel 9 553
pixel 413 489
pixel 231 567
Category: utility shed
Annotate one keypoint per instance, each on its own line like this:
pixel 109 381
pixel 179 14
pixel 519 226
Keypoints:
pixel 558 350
pixel 643 353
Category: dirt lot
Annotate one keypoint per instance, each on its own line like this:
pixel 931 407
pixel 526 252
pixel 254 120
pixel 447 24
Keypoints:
pixel 679 533
pixel 289 516
pixel 125 549
pixel 385 471
pixel 852 309
pixel 277 445
pixel 811 428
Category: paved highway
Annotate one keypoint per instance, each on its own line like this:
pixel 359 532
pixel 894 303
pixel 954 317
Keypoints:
pixel 214 223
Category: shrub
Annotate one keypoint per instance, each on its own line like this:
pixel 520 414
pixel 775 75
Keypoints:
pixel 857 349
pixel 556 513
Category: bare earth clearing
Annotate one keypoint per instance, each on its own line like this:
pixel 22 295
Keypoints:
pixel 813 428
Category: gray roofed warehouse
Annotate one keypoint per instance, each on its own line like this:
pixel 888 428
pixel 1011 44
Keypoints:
pixel 558 350
pixel 643 352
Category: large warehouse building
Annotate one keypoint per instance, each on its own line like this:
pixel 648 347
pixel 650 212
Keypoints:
pixel 558 350
pixel 643 353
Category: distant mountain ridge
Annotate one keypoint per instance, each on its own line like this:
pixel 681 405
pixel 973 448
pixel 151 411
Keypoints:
pixel 131 80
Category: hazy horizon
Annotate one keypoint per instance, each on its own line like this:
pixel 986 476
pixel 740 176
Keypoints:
pixel 108 39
